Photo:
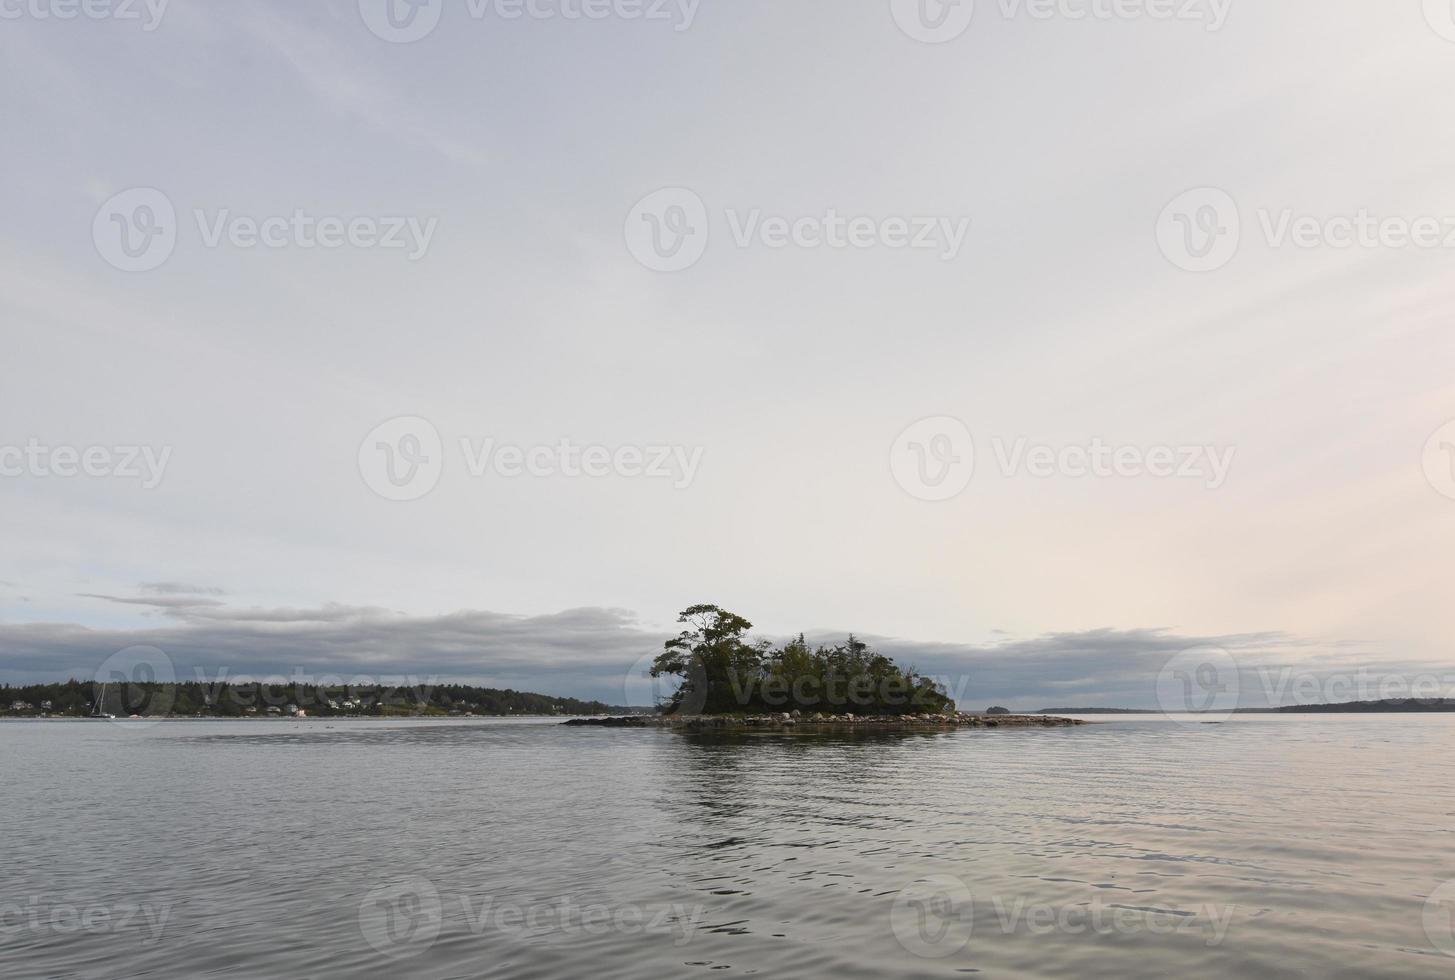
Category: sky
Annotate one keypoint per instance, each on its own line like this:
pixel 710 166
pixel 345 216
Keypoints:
pixel 1039 342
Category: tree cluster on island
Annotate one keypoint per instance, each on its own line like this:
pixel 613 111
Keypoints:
pixel 722 671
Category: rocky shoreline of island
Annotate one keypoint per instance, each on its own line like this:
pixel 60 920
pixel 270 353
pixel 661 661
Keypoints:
pixel 800 721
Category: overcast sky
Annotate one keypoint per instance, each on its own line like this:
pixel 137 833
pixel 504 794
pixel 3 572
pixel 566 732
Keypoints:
pixel 294 283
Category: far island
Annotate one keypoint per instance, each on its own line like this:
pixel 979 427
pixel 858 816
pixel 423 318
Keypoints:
pixel 725 680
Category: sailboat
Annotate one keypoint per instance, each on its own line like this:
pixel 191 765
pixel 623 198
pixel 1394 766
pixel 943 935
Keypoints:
pixel 98 710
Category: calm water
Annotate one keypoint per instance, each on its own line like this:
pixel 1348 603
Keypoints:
pixel 1264 847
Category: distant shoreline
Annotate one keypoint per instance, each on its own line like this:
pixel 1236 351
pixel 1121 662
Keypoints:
pixel 1390 706
pixel 284 718
pixel 798 721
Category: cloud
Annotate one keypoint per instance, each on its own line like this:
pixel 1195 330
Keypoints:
pixel 588 652
pixel 178 588
pixel 580 649
pixel 1095 668
pixel 160 602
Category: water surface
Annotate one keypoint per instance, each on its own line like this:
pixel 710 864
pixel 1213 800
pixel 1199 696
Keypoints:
pixel 1135 847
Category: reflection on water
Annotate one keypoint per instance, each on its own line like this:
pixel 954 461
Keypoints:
pixel 1265 847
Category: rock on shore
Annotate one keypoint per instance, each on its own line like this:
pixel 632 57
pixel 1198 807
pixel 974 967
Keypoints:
pixel 797 720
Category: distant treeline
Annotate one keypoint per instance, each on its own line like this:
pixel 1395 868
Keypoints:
pixel 244 700
pixel 1391 704
pixel 1347 707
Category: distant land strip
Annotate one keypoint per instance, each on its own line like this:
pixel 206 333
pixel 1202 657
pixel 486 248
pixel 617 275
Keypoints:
pixel 1343 707
pixel 75 698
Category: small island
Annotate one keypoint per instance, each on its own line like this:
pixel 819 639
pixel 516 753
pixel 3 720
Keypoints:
pixel 728 681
